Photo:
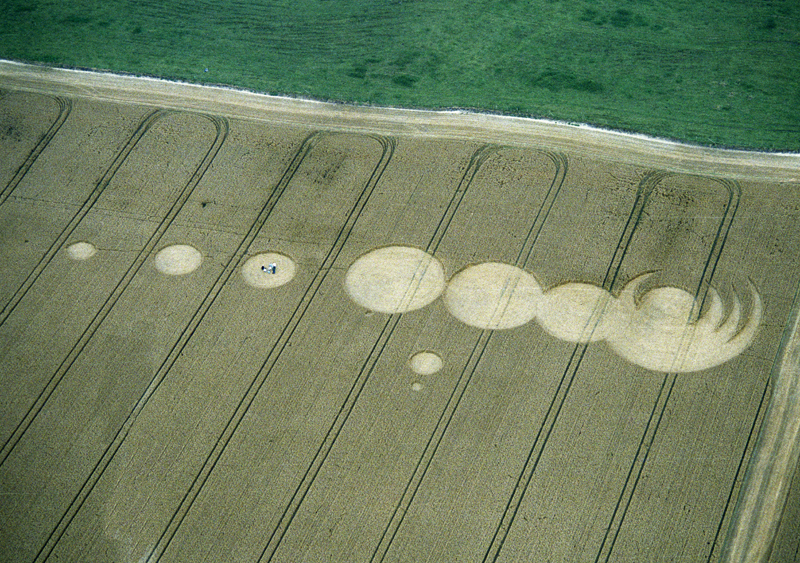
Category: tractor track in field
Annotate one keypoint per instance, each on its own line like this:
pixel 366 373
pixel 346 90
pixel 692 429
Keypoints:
pixel 64 109
pixel 221 128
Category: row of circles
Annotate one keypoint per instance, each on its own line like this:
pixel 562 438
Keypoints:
pixel 656 331
pixel 394 279
pixel 264 270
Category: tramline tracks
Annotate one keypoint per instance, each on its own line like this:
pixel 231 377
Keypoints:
pixel 221 444
pixel 221 128
pixel 64 109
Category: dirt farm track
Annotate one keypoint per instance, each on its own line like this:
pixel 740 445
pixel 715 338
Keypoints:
pixel 243 328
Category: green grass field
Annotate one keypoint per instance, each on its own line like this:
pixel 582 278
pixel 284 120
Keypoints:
pixel 721 73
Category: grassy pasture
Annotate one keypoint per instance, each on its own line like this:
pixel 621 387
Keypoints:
pixel 715 73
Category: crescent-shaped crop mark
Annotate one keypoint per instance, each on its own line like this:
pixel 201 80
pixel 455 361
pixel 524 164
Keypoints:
pixel 660 331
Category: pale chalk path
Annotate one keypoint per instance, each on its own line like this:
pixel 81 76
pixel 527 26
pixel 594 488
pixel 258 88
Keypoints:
pixel 223 336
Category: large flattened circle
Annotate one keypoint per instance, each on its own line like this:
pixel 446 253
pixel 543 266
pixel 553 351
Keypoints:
pixel 395 279
pixel 579 312
pixel 493 296
pixel 178 259
pixel 268 269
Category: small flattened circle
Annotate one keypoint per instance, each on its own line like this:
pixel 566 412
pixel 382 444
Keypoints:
pixel 268 269
pixel 81 250
pixel 178 259
pixel 395 279
pixel 493 296
pixel 425 363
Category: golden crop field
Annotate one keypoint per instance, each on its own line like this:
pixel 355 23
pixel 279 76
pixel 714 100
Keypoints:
pixel 273 330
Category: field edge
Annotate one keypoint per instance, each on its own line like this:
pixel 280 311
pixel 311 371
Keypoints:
pixel 584 139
